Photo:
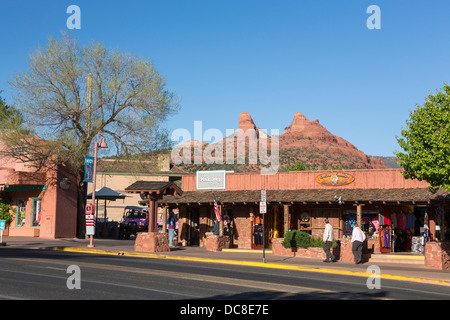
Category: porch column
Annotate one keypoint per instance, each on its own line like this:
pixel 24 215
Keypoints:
pixel 151 215
pixel 286 218
pixel 221 221
pixel 164 230
pixel 359 214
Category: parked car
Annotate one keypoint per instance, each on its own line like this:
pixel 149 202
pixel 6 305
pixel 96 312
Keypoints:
pixel 135 219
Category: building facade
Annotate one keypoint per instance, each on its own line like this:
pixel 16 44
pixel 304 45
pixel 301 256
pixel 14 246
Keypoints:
pixel 397 214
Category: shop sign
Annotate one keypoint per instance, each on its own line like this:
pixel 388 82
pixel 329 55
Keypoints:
pixel 211 180
pixel 2 224
pixel 335 178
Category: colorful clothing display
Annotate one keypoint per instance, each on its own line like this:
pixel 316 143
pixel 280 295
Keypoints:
pixel 401 221
pixel 410 221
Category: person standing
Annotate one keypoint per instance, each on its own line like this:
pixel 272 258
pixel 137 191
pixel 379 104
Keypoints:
pixel 328 242
pixel 358 238
pixel 171 227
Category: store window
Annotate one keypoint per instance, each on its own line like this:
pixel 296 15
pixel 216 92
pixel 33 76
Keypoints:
pixel 20 212
pixel 36 212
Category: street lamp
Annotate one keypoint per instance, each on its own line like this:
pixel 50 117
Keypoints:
pixel 102 144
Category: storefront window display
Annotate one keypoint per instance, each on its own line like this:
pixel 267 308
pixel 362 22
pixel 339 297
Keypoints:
pixel 20 212
pixel 36 212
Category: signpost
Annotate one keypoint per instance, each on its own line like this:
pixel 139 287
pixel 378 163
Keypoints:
pixel 90 223
pixel 263 211
pixel 2 227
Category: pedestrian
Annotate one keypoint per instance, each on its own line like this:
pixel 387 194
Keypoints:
pixel 171 227
pixel 328 241
pixel 358 238
pixel 216 228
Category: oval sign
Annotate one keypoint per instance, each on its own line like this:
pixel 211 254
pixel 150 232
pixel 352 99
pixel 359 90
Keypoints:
pixel 335 178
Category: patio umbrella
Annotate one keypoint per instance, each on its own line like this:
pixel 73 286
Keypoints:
pixel 106 193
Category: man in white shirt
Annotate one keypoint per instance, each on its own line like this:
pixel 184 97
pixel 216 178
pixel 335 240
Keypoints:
pixel 358 238
pixel 328 242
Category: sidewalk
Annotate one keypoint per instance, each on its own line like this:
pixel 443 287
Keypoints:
pixel 403 272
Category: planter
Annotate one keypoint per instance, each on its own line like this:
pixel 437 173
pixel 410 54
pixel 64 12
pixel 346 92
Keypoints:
pixel 152 242
pixel 217 243
pixel 311 252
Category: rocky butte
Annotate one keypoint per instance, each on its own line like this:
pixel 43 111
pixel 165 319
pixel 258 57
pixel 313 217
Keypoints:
pixel 303 140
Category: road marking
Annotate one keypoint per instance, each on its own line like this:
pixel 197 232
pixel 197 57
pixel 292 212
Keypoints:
pixel 255 264
pixel 260 285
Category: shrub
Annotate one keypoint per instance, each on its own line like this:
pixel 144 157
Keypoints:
pixel 300 239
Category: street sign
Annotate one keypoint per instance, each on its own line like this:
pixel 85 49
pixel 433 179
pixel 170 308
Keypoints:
pixel 262 207
pixel 90 220
pixel 263 195
pixel 2 227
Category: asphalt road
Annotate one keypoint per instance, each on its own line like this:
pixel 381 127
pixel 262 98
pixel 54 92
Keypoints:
pixel 49 275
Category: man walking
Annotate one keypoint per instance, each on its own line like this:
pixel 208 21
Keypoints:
pixel 328 242
pixel 358 238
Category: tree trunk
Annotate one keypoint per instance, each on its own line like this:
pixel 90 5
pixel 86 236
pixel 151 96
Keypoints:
pixel 81 204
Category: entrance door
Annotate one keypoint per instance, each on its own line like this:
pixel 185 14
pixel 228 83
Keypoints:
pixel 193 230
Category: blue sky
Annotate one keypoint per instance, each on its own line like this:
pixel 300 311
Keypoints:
pixel 269 58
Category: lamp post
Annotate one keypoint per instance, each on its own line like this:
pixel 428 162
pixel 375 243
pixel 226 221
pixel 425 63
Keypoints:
pixel 102 144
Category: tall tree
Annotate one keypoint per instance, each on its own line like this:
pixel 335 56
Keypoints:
pixel 426 142
pixel 126 101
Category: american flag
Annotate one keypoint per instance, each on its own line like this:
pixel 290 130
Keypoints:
pixel 216 209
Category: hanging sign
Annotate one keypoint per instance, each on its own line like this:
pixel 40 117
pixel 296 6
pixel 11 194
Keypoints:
pixel 88 169
pixel 211 180
pixel 335 179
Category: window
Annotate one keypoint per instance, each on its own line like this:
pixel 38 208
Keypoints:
pixel 20 212
pixel 36 212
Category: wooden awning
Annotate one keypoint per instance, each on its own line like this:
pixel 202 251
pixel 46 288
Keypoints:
pixel 311 196
pixel 154 188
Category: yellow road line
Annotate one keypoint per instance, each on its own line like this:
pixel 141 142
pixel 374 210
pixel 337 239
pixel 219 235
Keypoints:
pixel 256 264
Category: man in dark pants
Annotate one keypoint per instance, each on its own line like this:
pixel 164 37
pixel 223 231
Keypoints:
pixel 358 238
pixel 328 242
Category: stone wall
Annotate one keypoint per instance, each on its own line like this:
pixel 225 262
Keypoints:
pixel 437 255
pixel 217 243
pixel 152 242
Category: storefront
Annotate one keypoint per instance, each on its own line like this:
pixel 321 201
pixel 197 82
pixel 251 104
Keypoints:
pixel 399 215
pixel 42 204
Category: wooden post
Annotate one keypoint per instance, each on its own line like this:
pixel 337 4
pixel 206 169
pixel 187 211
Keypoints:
pixel 221 221
pixel 164 219
pixel 359 214
pixel 286 218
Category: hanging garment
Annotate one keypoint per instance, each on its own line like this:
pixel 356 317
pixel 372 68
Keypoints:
pixel 401 221
pixel 376 224
pixel 387 239
pixel 410 221
pixel 387 216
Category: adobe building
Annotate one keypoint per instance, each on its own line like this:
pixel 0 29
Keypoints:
pixel 44 204
pixel 118 175
pixel 396 213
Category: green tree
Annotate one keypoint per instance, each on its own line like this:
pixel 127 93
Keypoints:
pixel 10 117
pixel 298 166
pixel 71 93
pixel 426 142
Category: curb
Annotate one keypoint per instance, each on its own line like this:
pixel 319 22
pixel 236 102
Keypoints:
pixel 255 264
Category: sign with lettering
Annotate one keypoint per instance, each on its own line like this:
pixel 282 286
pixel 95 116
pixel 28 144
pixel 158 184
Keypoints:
pixel 335 179
pixel 211 180
pixel 2 224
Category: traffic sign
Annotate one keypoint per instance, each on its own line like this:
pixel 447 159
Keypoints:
pixel 263 195
pixel 262 207
pixel 2 224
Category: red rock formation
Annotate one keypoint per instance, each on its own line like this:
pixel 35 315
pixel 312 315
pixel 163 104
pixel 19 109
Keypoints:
pixel 306 141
